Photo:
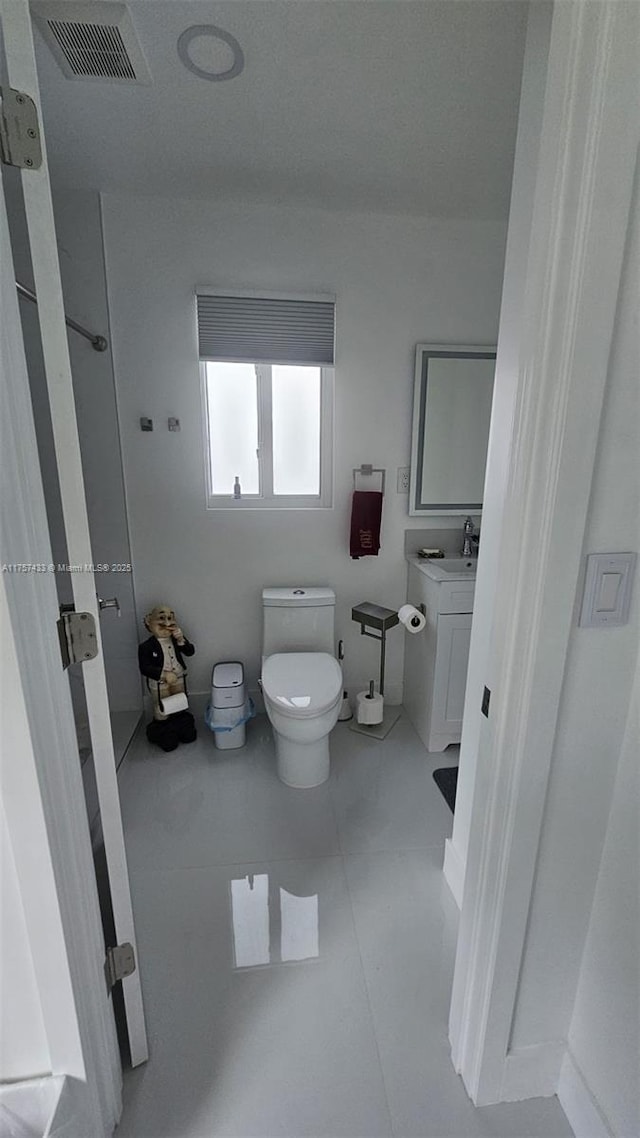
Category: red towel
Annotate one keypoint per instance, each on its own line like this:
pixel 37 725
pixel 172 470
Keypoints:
pixel 366 514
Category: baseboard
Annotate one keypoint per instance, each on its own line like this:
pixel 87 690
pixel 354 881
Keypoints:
pixel 453 869
pixel 583 1113
pixel 532 1072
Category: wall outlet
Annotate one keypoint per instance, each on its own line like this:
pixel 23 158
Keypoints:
pixel 403 479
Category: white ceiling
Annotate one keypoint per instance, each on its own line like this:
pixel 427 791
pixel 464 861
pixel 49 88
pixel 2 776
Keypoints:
pixel 408 106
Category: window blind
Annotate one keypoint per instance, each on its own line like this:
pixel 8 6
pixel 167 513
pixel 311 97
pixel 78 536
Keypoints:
pixel 266 330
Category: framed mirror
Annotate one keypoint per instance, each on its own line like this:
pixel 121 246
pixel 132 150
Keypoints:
pixel 451 415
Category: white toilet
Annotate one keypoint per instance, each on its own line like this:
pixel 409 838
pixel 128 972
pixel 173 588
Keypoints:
pixel 301 680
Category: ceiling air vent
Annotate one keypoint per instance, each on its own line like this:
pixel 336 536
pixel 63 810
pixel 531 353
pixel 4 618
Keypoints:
pixel 94 41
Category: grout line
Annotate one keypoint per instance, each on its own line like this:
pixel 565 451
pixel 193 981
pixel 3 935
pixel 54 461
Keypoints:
pixel 231 864
pixel 439 845
pixel 368 994
pixel 334 811
pixel 133 869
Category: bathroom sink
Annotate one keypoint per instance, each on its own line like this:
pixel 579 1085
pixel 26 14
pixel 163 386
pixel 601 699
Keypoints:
pixel 464 565
pixel 449 568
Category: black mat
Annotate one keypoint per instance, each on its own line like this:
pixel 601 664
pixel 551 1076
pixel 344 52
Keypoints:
pixel 447 782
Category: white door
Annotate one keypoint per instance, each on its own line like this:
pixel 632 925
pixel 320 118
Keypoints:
pixel 22 75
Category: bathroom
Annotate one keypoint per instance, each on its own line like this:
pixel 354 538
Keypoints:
pixel 441 278
pixel 293 886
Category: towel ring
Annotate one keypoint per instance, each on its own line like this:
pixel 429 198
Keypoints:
pixel 367 470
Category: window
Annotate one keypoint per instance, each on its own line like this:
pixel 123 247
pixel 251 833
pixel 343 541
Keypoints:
pixel 268 401
pixel 269 425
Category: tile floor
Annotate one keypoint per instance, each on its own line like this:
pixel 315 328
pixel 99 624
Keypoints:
pixel 297 947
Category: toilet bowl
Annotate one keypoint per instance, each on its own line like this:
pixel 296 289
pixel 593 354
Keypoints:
pixel 302 695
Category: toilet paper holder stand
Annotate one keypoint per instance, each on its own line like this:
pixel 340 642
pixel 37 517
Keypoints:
pixel 368 616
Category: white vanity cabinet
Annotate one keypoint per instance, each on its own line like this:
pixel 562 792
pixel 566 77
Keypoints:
pixel 436 659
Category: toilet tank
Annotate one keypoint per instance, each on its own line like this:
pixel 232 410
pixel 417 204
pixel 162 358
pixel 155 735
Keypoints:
pixel 298 620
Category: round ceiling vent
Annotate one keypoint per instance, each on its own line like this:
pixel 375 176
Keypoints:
pixel 217 61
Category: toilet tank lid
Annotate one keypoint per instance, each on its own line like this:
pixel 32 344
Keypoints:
pixel 298 597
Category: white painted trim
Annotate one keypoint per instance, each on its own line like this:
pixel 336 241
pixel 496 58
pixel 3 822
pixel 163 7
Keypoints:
pixel 24 816
pixel 41 779
pixel 532 1072
pixel 22 72
pixel 265 432
pixel 503 410
pixel 34 1104
pixel 51 1106
pixel 453 869
pixel 581 209
pixel 583 1113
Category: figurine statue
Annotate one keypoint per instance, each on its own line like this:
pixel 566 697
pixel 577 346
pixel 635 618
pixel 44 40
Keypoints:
pixel 161 660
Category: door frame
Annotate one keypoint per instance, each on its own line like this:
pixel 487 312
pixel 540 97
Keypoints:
pixel 23 76
pixel 41 781
pixel 581 206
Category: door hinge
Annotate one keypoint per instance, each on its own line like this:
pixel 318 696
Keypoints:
pixel 120 963
pixel 19 130
pixel 77 635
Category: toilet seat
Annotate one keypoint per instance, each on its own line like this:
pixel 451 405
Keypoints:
pixel 302 684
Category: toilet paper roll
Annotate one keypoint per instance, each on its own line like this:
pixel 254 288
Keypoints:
pixel 172 703
pixel 412 618
pixel 369 710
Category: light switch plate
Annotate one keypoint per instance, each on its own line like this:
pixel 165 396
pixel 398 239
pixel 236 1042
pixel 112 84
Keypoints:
pixel 607 589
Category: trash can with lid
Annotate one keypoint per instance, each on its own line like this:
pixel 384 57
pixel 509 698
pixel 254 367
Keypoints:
pixel 229 708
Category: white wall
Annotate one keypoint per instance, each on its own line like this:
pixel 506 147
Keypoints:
pixel 603 1037
pixel 398 281
pixel 24 1050
pixel 79 232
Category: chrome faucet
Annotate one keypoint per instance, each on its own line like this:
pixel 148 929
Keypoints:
pixel 469 539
